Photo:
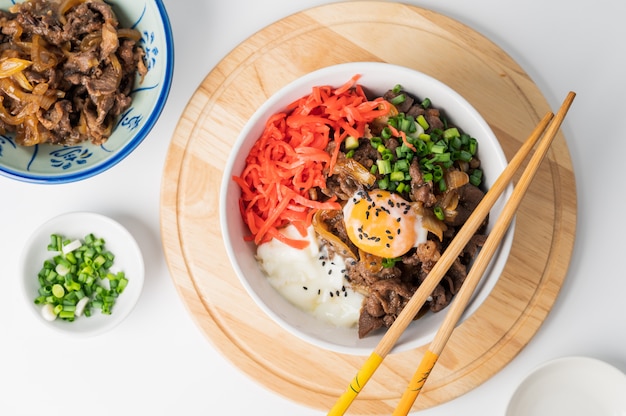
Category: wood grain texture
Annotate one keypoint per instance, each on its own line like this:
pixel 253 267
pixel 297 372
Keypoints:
pixel 344 32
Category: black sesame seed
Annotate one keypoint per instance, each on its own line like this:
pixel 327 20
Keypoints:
pixel 305 288
pixel 319 291
pixel 343 288
pixel 398 219
pixel 331 294
pixel 330 272
pixel 387 245
pixel 337 292
pixel 345 294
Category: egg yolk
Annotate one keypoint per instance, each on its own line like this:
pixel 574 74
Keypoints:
pixel 381 223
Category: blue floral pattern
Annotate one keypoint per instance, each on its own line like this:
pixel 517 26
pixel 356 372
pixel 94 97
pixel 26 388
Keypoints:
pixel 65 157
pixel 130 119
pixel 152 51
pixel 5 140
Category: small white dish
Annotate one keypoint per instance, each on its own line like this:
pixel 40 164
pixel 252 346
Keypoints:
pixel 572 386
pixel 77 225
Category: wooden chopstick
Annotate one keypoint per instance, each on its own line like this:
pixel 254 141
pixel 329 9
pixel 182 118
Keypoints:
pixel 436 274
pixel 481 262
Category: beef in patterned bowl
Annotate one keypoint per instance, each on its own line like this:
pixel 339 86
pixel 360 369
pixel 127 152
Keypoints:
pixel 82 83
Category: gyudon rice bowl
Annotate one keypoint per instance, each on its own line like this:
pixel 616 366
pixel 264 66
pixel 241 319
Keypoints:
pixel 341 193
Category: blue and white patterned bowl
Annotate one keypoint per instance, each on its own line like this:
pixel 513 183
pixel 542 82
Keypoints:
pixel 59 164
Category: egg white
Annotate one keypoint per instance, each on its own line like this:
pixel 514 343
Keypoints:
pixel 310 279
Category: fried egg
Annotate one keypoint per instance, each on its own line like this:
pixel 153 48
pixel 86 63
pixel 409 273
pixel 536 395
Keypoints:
pixel 383 223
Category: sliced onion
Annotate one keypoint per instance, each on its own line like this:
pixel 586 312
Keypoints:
pixel 433 224
pixel 450 200
pixel 355 170
pixel 456 179
pixel 371 262
pixel 129 33
pixel 321 228
pixel 12 66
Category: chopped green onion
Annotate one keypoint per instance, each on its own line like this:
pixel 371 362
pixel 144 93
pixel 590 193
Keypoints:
pixel 398 99
pixel 352 143
pixel 387 263
pixel 384 166
pixel 438 148
pixel 451 133
pixel 385 133
pixel 473 146
pixel 58 291
pixel 402 165
pixel 439 213
pixel 476 177
pixel 421 120
pixel 77 279
pixel 396 176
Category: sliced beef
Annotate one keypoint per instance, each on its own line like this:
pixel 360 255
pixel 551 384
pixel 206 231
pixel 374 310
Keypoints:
pixel 469 198
pixel 365 154
pixel 83 64
pixel 384 303
pixel 421 191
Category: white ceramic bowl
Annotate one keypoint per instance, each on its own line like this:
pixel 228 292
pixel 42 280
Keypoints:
pixel 58 164
pixel 77 225
pixel 572 386
pixel 377 78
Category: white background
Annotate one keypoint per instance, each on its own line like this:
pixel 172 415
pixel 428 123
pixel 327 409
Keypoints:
pixel 157 362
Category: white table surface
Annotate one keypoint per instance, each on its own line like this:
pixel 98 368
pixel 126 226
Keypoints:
pixel 157 362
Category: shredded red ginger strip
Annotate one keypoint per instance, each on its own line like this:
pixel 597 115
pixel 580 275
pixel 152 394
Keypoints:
pixel 402 134
pixel 290 159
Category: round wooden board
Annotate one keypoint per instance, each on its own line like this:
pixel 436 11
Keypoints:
pixel 296 45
